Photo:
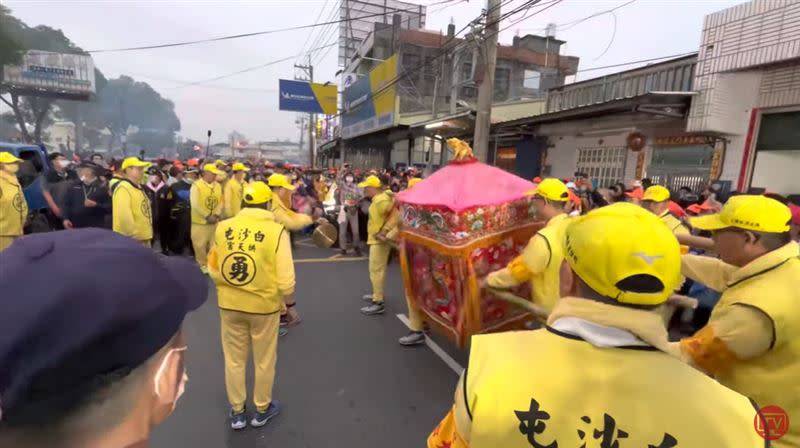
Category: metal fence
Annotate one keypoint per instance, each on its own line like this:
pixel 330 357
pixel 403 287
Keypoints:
pixel 604 164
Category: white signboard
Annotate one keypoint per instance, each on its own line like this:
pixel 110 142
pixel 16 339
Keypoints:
pixel 52 74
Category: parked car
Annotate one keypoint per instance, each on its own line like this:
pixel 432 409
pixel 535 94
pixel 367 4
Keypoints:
pixel 32 172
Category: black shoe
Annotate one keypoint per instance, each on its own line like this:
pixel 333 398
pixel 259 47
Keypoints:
pixel 238 421
pixel 343 252
pixel 359 253
pixel 261 418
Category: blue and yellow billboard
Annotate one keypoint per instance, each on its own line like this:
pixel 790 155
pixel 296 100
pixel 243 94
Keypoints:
pixel 302 96
pixel 369 103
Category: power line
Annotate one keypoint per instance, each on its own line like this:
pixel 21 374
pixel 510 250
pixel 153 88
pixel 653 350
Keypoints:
pixel 234 36
pixel 319 16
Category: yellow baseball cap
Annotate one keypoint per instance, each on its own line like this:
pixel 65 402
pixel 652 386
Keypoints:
pixel 370 181
pixel 748 212
pixel 7 157
pixel 219 162
pixel 238 166
pixel 656 193
pixel 413 181
pixel 625 253
pixel 257 193
pixel 551 189
pixel 211 168
pixel 278 180
pixel 131 162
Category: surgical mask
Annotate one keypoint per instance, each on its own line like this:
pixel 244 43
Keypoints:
pixel 349 179
pixel 64 163
pixel 189 180
pixel 160 372
pixel 11 168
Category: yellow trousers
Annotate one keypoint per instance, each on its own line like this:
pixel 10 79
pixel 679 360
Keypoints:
pixel 240 331
pixel 6 241
pixel 415 321
pixel 202 237
pixel 378 259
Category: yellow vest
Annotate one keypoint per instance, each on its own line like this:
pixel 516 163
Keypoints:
pixel 379 211
pixel 206 201
pixel 674 224
pixel 771 284
pixel 131 213
pixel 233 197
pixel 13 207
pixel 242 262
pixel 544 387
pixel 545 285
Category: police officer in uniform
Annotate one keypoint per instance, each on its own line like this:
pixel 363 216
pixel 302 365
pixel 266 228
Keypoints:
pixel 540 261
pixel 251 264
pixel 13 207
pixel 130 207
pixel 206 200
pixel 752 340
pixel 597 375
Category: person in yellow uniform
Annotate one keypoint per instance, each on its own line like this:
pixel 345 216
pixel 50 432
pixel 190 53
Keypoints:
pixel 752 340
pixel 233 191
pixel 130 207
pixel 206 200
pixel 282 206
pixel 379 250
pixel 656 200
pixel 13 207
pixel 540 261
pixel 251 264
pixel 598 374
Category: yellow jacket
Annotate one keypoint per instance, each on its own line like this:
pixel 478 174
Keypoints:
pixel 768 284
pixel 251 263
pixel 290 219
pixel 131 212
pixel 232 197
pixel 539 264
pixel 13 207
pixel 600 381
pixel 674 224
pixel 206 200
pixel 379 211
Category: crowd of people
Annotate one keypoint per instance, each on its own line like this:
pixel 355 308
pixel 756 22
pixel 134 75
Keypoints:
pixel 104 368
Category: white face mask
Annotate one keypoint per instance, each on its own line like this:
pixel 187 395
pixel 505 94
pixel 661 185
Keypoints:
pixel 348 179
pixel 189 180
pixel 160 372
pixel 64 163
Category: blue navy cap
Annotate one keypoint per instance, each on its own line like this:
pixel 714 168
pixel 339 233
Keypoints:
pixel 79 305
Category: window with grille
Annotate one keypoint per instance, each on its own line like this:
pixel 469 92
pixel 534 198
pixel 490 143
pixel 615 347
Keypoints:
pixel 604 164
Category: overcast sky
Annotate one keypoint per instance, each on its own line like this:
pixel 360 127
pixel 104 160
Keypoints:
pixel 249 103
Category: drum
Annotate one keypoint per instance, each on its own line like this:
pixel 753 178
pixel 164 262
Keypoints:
pixel 325 235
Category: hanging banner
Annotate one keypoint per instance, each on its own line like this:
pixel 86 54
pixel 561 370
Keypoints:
pixel 302 96
pixel 369 102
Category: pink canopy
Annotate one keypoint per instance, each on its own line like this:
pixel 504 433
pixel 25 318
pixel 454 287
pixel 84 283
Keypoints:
pixel 460 186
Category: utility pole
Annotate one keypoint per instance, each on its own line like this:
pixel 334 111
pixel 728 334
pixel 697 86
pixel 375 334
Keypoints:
pixel 483 121
pixel 309 69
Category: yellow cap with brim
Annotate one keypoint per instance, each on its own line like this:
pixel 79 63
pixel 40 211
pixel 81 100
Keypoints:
pixel 370 181
pixel 7 157
pixel 656 193
pixel 211 168
pixel 219 162
pixel 257 193
pixel 132 162
pixel 278 180
pixel 624 253
pixel 748 212
pixel 551 189
pixel 413 181
pixel 239 167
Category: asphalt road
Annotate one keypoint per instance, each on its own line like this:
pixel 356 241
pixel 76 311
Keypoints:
pixel 342 378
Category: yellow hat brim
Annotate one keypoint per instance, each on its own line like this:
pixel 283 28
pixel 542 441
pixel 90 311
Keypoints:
pixel 708 222
pixel 245 169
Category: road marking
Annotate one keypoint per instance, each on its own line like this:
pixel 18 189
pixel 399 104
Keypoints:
pixel 438 351
pixel 329 260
